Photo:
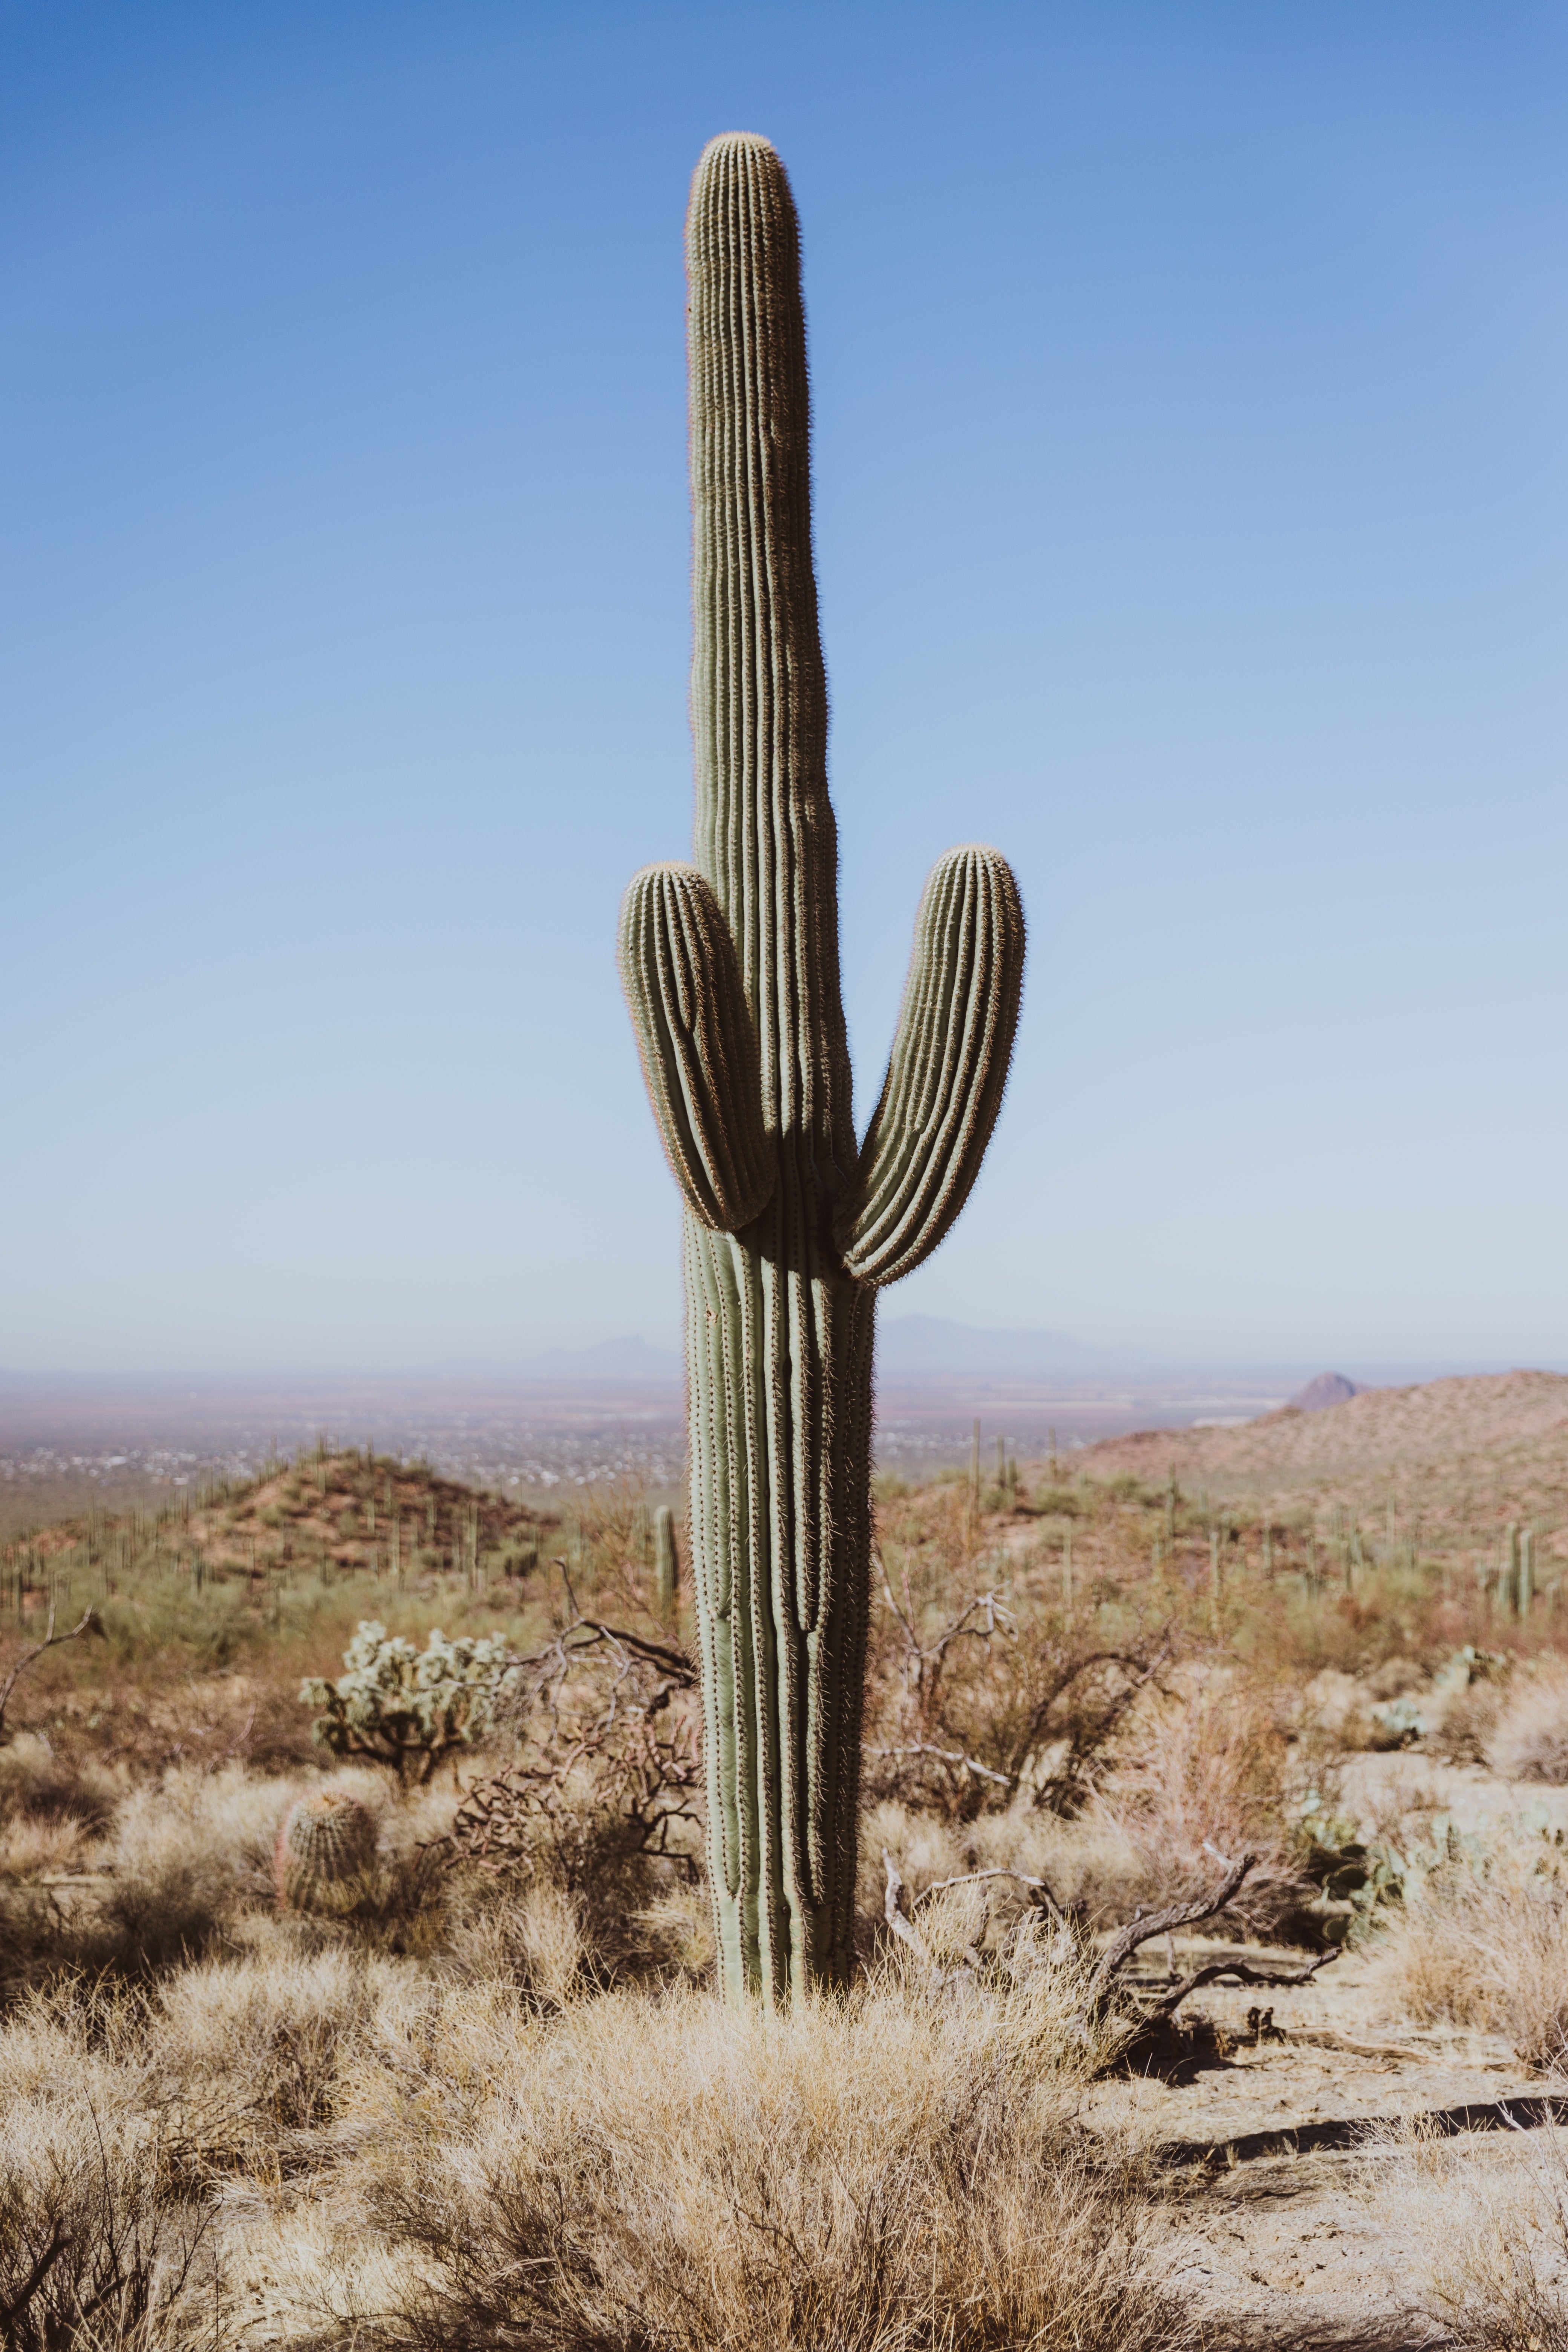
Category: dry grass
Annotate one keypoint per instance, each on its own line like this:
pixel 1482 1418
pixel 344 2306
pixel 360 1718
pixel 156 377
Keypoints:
pixel 387 2155
pixel 325 2131
pixel 1484 1942
pixel 493 2103
pixel 1489 2227
pixel 1529 1738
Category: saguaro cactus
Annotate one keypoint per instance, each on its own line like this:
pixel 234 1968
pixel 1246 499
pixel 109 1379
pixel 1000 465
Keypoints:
pixel 666 1564
pixel 731 969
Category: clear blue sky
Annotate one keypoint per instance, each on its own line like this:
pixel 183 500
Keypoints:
pixel 1191 493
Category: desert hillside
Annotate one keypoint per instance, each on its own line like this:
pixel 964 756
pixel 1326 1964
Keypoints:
pixel 1455 1461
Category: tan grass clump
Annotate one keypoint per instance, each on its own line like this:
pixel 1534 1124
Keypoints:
pixel 883 2173
pixel 1529 1740
pixel 100 2251
pixel 1484 1942
pixel 347 2147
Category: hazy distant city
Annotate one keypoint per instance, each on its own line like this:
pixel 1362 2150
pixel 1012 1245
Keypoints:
pixel 591 1417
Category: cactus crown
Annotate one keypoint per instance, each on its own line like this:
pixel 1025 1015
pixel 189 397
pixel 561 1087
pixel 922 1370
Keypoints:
pixel 730 964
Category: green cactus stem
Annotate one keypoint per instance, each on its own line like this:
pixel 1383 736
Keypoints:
pixel 731 971
pixel 666 1564
pixel 325 1846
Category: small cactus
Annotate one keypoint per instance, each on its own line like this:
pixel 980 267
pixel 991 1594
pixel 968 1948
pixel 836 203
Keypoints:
pixel 326 1843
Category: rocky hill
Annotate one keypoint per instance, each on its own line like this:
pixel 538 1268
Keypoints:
pixel 1462 1458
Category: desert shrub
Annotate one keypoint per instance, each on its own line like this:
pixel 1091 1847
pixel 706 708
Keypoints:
pixel 1482 1939
pixel 1000 1699
pixel 180 1858
pixel 877 2173
pixel 208 1627
pixel 603 1802
pixel 37 1785
pixel 256 2047
pixel 1095 1875
pixel 98 2253
pixel 1528 1739
pixel 407 1708
pixel 1203 1779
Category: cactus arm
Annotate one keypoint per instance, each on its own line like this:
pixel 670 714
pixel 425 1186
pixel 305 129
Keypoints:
pixel 698 1049
pixel 947 1071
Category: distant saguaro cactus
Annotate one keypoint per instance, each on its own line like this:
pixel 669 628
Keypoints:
pixel 731 969
pixel 666 1563
pixel 327 1840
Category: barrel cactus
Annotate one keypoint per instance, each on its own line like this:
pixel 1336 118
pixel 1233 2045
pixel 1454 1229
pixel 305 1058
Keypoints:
pixel 731 969
pixel 325 1846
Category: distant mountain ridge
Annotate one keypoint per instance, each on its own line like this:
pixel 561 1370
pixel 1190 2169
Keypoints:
pixel 925 1347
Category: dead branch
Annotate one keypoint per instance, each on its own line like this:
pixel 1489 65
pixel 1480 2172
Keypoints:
pixel 558 1656
pixel 1113 2012
pixel 1160 2011
pixel 1139 1672
pixel 892 1911
pixel 950 1756
pixel 89 1622
pixel 1138 1931
pixel 924 1660
pixel 1036 1886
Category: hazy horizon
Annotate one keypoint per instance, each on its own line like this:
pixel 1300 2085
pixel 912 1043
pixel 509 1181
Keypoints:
pixel 1189 461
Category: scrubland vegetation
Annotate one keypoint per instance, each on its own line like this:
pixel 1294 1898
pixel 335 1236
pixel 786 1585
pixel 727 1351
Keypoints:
pixel 478 2091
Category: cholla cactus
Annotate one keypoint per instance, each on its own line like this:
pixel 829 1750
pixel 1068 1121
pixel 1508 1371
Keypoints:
pixel 409 1707
pixel 326 1844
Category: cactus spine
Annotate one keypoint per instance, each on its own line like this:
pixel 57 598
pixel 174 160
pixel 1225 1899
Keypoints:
pixel 326 1843
pixel 731 969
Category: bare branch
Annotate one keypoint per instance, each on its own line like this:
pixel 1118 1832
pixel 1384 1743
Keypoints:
pixel 673 1661
pixel 1160 2011
pixel 1126 1941
pixel 89 1622
pixel 972 1877
pixel 892 1912
pixel 950 1756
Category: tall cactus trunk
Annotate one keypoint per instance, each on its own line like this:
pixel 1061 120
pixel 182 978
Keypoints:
pixel 779 1340
pixel 779 1363
pixel 730 967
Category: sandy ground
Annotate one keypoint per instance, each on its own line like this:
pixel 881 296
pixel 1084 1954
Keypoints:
pixel 1278 2241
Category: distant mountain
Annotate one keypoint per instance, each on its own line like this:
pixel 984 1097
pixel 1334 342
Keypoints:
pixel 930 1346
pixel 1329 1387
